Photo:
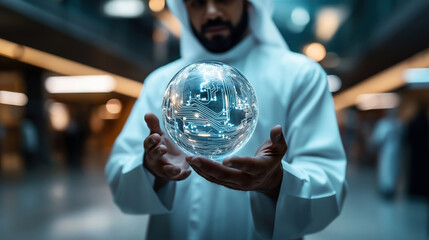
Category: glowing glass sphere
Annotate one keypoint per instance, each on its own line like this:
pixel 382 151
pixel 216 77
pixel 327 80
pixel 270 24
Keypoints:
pixel 210 109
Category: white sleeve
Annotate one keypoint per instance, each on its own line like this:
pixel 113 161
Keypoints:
pixel 313 185
pixel 132 184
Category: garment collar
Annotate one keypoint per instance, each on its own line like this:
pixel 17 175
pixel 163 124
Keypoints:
pixel 238 51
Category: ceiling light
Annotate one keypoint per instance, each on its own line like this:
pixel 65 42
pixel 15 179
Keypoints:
pixel 417 77
pixel 299 19
pixel 156 5
pixel 300 16
pixel 64 66
pixel 377 101
pixel 114 106
pixel 334 83
pixel 315 51
pixel 124 8
pixel 13 98
pixel 80 84
pixel 328 21
pixel 387 80
pixel 59 116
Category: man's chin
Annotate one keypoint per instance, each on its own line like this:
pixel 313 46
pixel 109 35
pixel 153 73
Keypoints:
pixel 218 49
pixel 217 45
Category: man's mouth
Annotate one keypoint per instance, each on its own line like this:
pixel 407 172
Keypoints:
pixel 216 29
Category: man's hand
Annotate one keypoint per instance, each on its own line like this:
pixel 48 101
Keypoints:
pixel 263 172
pixel 162 157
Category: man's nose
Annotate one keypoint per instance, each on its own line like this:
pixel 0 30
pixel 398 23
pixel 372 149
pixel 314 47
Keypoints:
pixel 212 10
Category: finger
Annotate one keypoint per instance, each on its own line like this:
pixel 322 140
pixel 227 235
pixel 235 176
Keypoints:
pixel 171 170
pixel 182 175
pixel 276 134
pixel 249 165
pixel 153 123
pixel 151 141
pixel 277 139
pixel 157 152
pixel 154 161
pixel 218 181
pixel 175 173
pixel 214 169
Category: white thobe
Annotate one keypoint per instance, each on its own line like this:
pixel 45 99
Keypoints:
pixel 387 135
pixel 292 91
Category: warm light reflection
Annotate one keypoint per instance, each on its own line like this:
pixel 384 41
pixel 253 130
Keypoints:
pixel 59 116
pixel 315 51
pixel 114 106
pixel 156 5
pixel 377 101
pixel 104 114
pixel 13 98
pixel 96 124
pixel 387 80
pixel 328 21
pixel 64 66
pixel 160 35
pixel 170 22
pixel 80 84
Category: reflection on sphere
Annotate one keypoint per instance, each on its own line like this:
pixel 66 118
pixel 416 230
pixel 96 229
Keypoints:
pixel 210 109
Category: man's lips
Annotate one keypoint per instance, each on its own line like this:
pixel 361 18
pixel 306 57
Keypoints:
pixel 216 29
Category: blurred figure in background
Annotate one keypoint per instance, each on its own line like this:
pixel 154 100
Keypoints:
pixel 350 136
pixel 418 139
pixel 2 137
pixel 74 139
pixel 388 139
pixel 29 143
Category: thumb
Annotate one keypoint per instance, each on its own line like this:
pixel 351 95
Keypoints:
pixel 277 138
pixel 152 123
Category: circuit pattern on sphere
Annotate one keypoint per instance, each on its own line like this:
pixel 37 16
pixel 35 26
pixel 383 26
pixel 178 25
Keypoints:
pixel 206 112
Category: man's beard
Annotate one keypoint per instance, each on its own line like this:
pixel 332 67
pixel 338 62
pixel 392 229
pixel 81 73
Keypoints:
pixel 219 43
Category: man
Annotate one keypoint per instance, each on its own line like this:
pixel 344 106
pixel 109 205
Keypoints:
pixel 264 195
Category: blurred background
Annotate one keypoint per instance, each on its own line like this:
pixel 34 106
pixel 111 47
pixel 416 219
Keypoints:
pixel 70 71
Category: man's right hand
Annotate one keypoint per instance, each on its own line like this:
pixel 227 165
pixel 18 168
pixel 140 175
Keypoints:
pixel 162 157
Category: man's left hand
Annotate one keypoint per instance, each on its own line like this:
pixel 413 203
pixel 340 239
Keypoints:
pixel 263 172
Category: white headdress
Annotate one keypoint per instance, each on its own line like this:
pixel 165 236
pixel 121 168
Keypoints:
pixel 261 27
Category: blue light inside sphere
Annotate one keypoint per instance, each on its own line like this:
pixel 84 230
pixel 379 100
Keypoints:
pixel 210 109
